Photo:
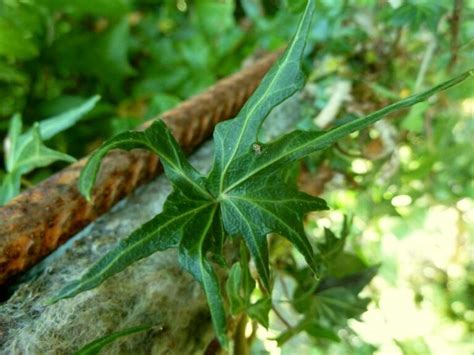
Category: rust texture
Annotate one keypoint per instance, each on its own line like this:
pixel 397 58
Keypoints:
pixel 42 218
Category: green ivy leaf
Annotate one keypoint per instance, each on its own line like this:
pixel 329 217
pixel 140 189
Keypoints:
pixel 237 301
pixel 259 311
pixel 240 286
pixel 27 152
pixel 35 154
pixel 246 193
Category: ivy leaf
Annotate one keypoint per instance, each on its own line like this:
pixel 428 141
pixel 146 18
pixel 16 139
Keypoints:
pixel 29 156
pixel 332 245
pixel 26 152
pixel 259 311
pixel 237 301
pixel 246 193
pixel 36 155
pixel 240 284
pixel 415 15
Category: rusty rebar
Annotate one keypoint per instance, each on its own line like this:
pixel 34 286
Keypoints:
pixel 42 218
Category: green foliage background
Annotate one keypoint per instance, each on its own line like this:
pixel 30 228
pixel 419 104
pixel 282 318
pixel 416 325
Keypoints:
pixel 408 184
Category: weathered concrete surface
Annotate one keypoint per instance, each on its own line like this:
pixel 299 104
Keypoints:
pixel 152 291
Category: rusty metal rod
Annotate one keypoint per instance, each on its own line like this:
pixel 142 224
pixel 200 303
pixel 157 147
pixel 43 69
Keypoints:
pixel 42 218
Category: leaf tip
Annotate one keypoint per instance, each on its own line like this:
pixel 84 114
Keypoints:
pixel 96 98
pixel 52 300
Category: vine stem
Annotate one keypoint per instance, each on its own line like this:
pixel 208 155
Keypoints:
pixel 281 318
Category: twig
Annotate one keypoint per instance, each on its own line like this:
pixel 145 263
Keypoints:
pixel 455 20
pixel 340 94
pixel 427 57
pixel 281 318
pixel 284 286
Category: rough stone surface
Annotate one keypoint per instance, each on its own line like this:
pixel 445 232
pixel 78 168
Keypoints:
pixel 153 291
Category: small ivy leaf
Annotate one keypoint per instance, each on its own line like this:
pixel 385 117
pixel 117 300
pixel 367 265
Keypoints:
pixel 97 345
pixel 415 15
pixel 158 139
pixel 332 245
pixel 239 297
pixel 339 304
pixel 233 287
pixel 162 232
pixel 240 283
pixel 48 128
pixel 36 155
pixel 354 279
pixel 259 311
pixel 25 152
pixel 247 282
pixel 288 334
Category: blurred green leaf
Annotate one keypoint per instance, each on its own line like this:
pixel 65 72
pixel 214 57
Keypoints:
pixel 14 43
pixel 237 301
pixel 27 152
pixel 97 345
pixel 259 310
pixel 215 16
pixel 414 121
pixel 417 14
